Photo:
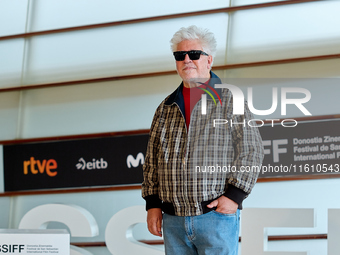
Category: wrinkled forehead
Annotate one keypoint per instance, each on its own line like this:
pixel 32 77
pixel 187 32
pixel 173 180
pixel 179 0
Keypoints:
pixel 187 45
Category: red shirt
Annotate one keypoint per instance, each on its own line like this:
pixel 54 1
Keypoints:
pixel 191 97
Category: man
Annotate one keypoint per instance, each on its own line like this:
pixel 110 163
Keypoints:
pixel 201 207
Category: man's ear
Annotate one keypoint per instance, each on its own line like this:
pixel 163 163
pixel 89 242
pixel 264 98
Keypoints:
pixel 210 60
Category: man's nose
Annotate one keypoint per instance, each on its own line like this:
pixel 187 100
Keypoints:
pixel 187 59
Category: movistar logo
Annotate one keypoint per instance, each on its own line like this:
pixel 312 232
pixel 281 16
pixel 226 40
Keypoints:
pixel 131 161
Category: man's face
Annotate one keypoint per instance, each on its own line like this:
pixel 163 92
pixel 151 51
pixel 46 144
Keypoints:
pixel 191 69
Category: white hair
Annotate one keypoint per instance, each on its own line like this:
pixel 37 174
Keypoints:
pixel 205 37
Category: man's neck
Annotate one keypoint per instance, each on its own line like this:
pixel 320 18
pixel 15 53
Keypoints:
pixel 196 83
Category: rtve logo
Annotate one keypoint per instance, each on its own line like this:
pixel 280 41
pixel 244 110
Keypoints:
pixel 38 166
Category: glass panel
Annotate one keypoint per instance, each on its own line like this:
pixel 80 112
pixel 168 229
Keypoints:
pixel 324 92
pixel 314 247
pixel 311 69
pixel 9 102
pixel 249 2
pixel 12 17
pixel 290 31
pixel 47 13
pixel 112 51
pixel 11 55
pixel 4 211
pixel 1 180
pixel 94 108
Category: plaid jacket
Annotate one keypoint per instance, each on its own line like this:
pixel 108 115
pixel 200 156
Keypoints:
pixel 188 167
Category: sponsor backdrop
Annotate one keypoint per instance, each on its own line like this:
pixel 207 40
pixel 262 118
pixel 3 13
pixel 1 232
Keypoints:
pixel 77 163
pixel 311 147
pixel 308 148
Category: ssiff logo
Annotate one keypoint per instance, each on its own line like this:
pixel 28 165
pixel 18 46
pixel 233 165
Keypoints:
pixel 12 248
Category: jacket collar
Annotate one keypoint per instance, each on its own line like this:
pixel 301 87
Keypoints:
pixel 177 96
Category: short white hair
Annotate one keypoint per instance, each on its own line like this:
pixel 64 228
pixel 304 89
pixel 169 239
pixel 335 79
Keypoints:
pixel 205 37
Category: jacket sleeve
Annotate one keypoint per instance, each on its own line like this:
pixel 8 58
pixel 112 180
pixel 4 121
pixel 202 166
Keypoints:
pixel 150 185
pixel 248 156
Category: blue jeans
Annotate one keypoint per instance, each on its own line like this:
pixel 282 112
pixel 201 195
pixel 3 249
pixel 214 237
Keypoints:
pixel 212 233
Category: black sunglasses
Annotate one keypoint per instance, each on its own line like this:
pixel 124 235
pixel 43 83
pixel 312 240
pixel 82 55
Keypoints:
pixel 193 54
